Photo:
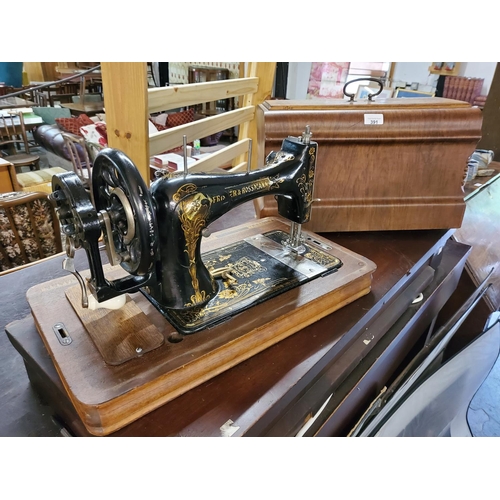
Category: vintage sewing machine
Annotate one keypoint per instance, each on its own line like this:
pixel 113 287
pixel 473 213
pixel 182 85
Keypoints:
pixel 241 291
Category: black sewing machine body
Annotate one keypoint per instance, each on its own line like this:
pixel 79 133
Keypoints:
pixel 155 234
pixel 187 205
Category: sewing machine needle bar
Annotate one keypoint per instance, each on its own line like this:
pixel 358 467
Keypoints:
pixel 299 263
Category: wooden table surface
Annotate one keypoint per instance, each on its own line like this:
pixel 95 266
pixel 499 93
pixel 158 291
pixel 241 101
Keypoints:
pixel 250 392
pixel 14 102
pixel 481 227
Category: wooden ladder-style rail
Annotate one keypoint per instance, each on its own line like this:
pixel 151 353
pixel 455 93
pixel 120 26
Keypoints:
pixel 129 102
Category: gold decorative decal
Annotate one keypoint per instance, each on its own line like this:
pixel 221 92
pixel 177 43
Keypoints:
pixel 276 181
pixel 260 185
pixel 228 293
pixel 261 281
pixel 245 268
pixel 193 208
pixel 280 157
pixel 321 258
pixel 306 182
pixel 218 198
pixel 229 298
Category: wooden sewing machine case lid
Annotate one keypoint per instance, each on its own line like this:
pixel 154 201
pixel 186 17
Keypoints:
pixel 390 164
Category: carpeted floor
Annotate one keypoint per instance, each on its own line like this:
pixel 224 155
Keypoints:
pixel 484 410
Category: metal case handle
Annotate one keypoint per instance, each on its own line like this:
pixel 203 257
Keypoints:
pixel 370 96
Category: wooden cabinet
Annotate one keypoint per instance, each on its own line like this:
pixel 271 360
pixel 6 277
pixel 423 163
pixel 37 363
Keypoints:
pixel 392 164
pixel 7 171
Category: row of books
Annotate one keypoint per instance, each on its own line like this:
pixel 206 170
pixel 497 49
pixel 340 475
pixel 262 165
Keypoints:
pixel 462 88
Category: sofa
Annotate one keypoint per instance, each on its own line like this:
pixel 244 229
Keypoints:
pixel 50 137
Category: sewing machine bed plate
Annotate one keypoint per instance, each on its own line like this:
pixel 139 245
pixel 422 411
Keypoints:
pixel 262 269
pixel 109 397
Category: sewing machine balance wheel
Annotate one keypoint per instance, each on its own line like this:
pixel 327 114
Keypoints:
pixel 126 210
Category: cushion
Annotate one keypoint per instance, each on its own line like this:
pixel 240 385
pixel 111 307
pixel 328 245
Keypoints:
pixel 69 125
pixel 95 134
pixel 96 138
pixel 35 177
pixel 49 115
pixel 152 128
pixel 157 126
pixel 73 125
pixel 180 118
pixel 173 120
pixel 160 119
pixel 211 140
pixel 101 128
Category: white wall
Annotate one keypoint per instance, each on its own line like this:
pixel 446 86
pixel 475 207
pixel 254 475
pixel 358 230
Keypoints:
pixel 298 75
pixel 418 72
pixel 298 80
pixel 411 72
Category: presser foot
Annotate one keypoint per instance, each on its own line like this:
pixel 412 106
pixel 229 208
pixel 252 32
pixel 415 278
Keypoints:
pixel 294 244
pixel 293 250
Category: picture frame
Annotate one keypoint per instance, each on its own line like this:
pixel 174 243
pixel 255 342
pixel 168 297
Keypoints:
pixel 412 93
pixel 364 90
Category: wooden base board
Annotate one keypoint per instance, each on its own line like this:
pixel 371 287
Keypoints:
pixel 119 335
pixel 108 398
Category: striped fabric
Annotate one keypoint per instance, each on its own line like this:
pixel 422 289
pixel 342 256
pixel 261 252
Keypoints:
pixel 29 179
